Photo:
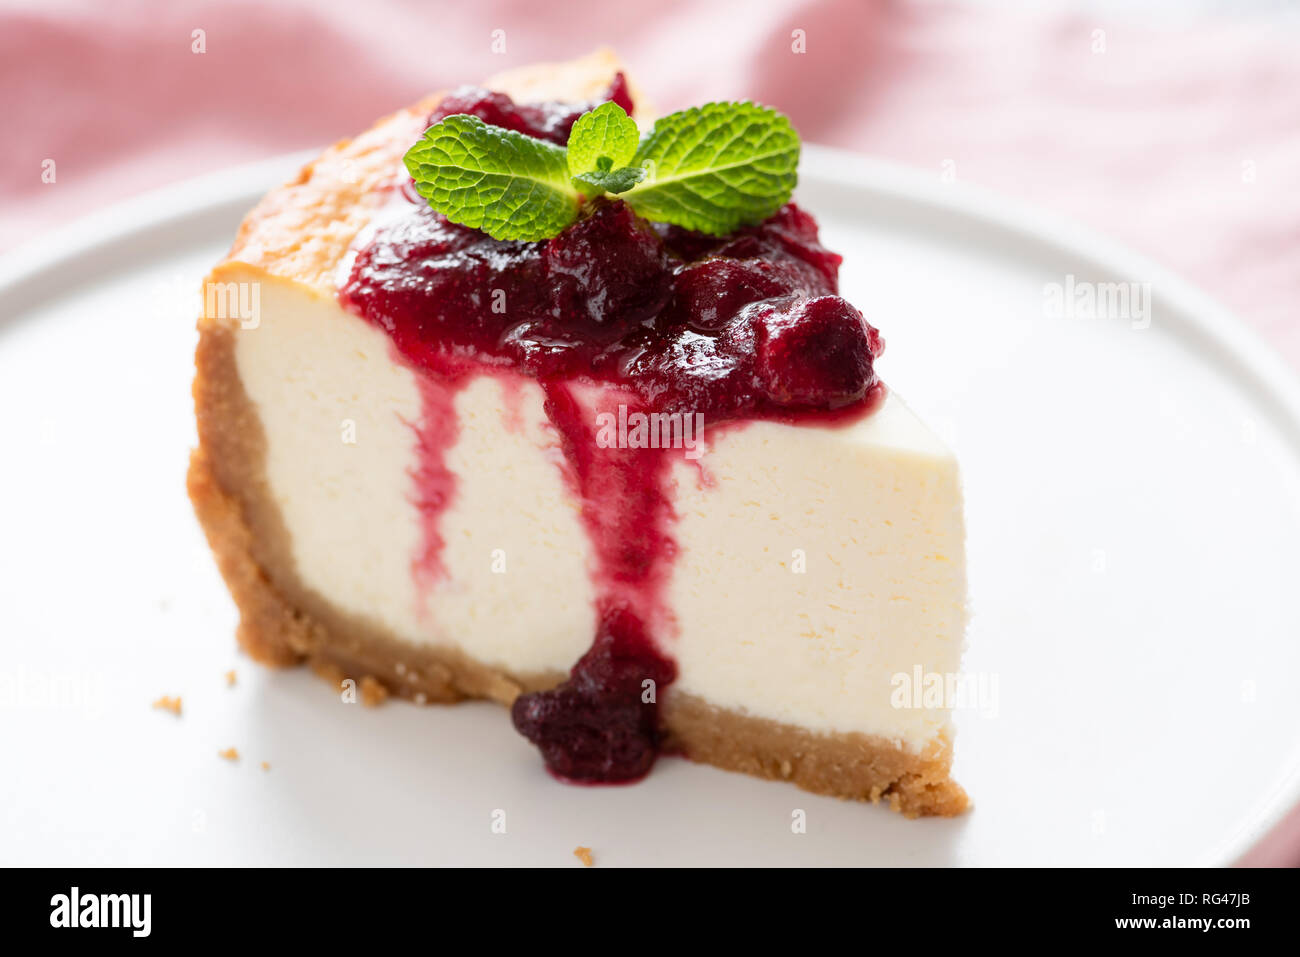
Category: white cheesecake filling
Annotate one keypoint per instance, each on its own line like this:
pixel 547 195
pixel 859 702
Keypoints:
pixel 820 564
pixel 517 594
pixel 817 565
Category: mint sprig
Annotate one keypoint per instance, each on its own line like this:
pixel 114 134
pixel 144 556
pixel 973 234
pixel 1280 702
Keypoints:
pixel 711 168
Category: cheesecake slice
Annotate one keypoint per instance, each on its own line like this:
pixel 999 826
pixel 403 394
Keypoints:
pixel 641 485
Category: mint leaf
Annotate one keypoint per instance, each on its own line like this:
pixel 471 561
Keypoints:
pixel 716 167
pixel 608 181
pixel 507 184
pixel 605 138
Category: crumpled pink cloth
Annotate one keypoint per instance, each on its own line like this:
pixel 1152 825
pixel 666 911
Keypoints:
pixel 1181 140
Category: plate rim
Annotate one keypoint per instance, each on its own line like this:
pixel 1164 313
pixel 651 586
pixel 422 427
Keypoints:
pixel 1234 339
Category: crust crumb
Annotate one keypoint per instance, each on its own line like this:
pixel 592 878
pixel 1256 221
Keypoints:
pixel 266 766
pixel 373 692
pixel 230 754
pixel 230 678
pixel 329 671
pixel 166 703
pixel 584 854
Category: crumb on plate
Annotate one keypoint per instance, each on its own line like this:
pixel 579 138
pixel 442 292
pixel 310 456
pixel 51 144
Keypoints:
pixel 166 703
pixel 584 854
pixel 373 691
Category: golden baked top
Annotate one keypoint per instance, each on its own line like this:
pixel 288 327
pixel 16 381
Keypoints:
pixel 301 230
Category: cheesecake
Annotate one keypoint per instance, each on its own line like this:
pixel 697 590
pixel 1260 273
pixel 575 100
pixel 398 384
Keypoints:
pixel 640 483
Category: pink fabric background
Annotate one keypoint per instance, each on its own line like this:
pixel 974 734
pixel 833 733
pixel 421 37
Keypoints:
pixel 1182 141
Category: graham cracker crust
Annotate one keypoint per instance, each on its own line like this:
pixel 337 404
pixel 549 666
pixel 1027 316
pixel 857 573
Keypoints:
pixel 282 622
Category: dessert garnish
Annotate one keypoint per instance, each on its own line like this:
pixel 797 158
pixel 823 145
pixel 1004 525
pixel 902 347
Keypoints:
pixel 711 168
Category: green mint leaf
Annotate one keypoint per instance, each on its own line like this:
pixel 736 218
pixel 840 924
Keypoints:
pixel 608 181
pixel 602 139
pixel 716 167
pixel 507 184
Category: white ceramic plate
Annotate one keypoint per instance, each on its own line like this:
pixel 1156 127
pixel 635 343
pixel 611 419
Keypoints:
pixel 1133 502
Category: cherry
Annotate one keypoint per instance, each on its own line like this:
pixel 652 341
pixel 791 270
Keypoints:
pixel 602 724
pixel 813 353
pixel 708 293
pixel 609 266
